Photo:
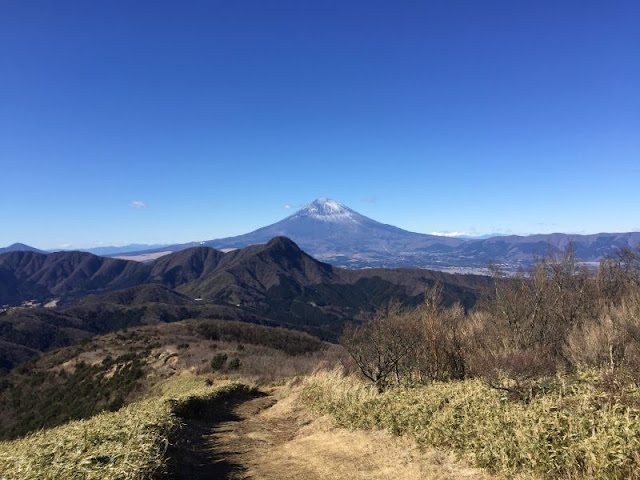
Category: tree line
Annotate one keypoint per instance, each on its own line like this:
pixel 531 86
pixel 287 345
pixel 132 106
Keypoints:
pixel 557 315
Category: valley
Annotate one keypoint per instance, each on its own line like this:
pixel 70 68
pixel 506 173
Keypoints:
pixel 273 284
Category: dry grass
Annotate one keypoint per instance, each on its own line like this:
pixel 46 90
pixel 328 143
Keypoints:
pixel 283 440
pixel 258 363
pixel 127 444
pixel 341 454
pixel 569 432
pixel 107 372
pixel 321 451
pixel 612 340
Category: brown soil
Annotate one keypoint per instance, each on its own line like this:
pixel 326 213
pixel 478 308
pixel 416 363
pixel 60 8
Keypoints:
pixel 263 437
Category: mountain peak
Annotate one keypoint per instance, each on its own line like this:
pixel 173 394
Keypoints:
pixel 19 247
pixel 327 210
pixel 283 243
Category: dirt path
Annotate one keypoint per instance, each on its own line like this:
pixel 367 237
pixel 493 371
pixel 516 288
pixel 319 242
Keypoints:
pixel 263 438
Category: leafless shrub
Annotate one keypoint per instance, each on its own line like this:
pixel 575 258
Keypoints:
pixel 441 352
pixel 597 343
pixel 536 310
pixel 420 344
pixel 379 344
pixel 612 340
pixel 557 315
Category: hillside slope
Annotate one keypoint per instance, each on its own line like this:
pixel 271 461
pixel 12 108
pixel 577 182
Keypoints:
pixel 271 284
pixel 108 371
pixel 67 275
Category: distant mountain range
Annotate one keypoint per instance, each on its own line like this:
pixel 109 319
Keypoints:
pixel 236 277
pixel 336 234
pixel 103 251
pixel 113 250
pixel 274 284
pixel 19 247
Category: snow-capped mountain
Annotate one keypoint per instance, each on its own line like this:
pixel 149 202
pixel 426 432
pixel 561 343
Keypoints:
pixel 327 210
pixel 336 234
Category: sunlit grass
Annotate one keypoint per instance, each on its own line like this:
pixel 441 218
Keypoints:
pixel 127 444
pixel 569 432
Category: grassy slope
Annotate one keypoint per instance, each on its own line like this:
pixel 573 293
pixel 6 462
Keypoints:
pixel 573 431
pixel 110 371
pixel 127 444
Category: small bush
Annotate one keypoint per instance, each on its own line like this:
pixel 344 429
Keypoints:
pixel 234 364
pixel 218 361
pixel 289 341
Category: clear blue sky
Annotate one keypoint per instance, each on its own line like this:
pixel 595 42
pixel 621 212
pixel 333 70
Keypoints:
pixel 468 116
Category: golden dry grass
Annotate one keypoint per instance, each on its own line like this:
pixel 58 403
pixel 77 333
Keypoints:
pixel 272 439
pixel 258 363
pixel 283 440
pixel 572 432
pixel 337 453
pixel 127 444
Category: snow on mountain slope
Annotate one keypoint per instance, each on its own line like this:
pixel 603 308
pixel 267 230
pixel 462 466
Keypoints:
pixel 327 210
pixel 336 234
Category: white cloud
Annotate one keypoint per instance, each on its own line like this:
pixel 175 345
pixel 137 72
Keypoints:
pixel 138 205
pixel 452 234
pixel 66 245
pixel 287 206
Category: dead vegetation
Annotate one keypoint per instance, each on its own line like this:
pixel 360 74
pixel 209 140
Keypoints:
pixel 556 317
pixel 108 372
pixel 129 444
pixel 274 437
pixel 570 431
pixel 541 376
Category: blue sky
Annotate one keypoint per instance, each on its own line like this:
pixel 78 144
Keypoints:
pixel 466 116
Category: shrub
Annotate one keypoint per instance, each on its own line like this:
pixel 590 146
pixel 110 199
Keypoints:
pixel 218 361
pixel 289 341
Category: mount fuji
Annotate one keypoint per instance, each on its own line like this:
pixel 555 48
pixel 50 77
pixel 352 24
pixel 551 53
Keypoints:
pixel 336 234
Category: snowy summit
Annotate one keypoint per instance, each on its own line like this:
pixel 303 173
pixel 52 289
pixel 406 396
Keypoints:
pixel 326 210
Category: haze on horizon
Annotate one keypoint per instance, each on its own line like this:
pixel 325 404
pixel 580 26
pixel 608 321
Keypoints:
pixel 168 122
